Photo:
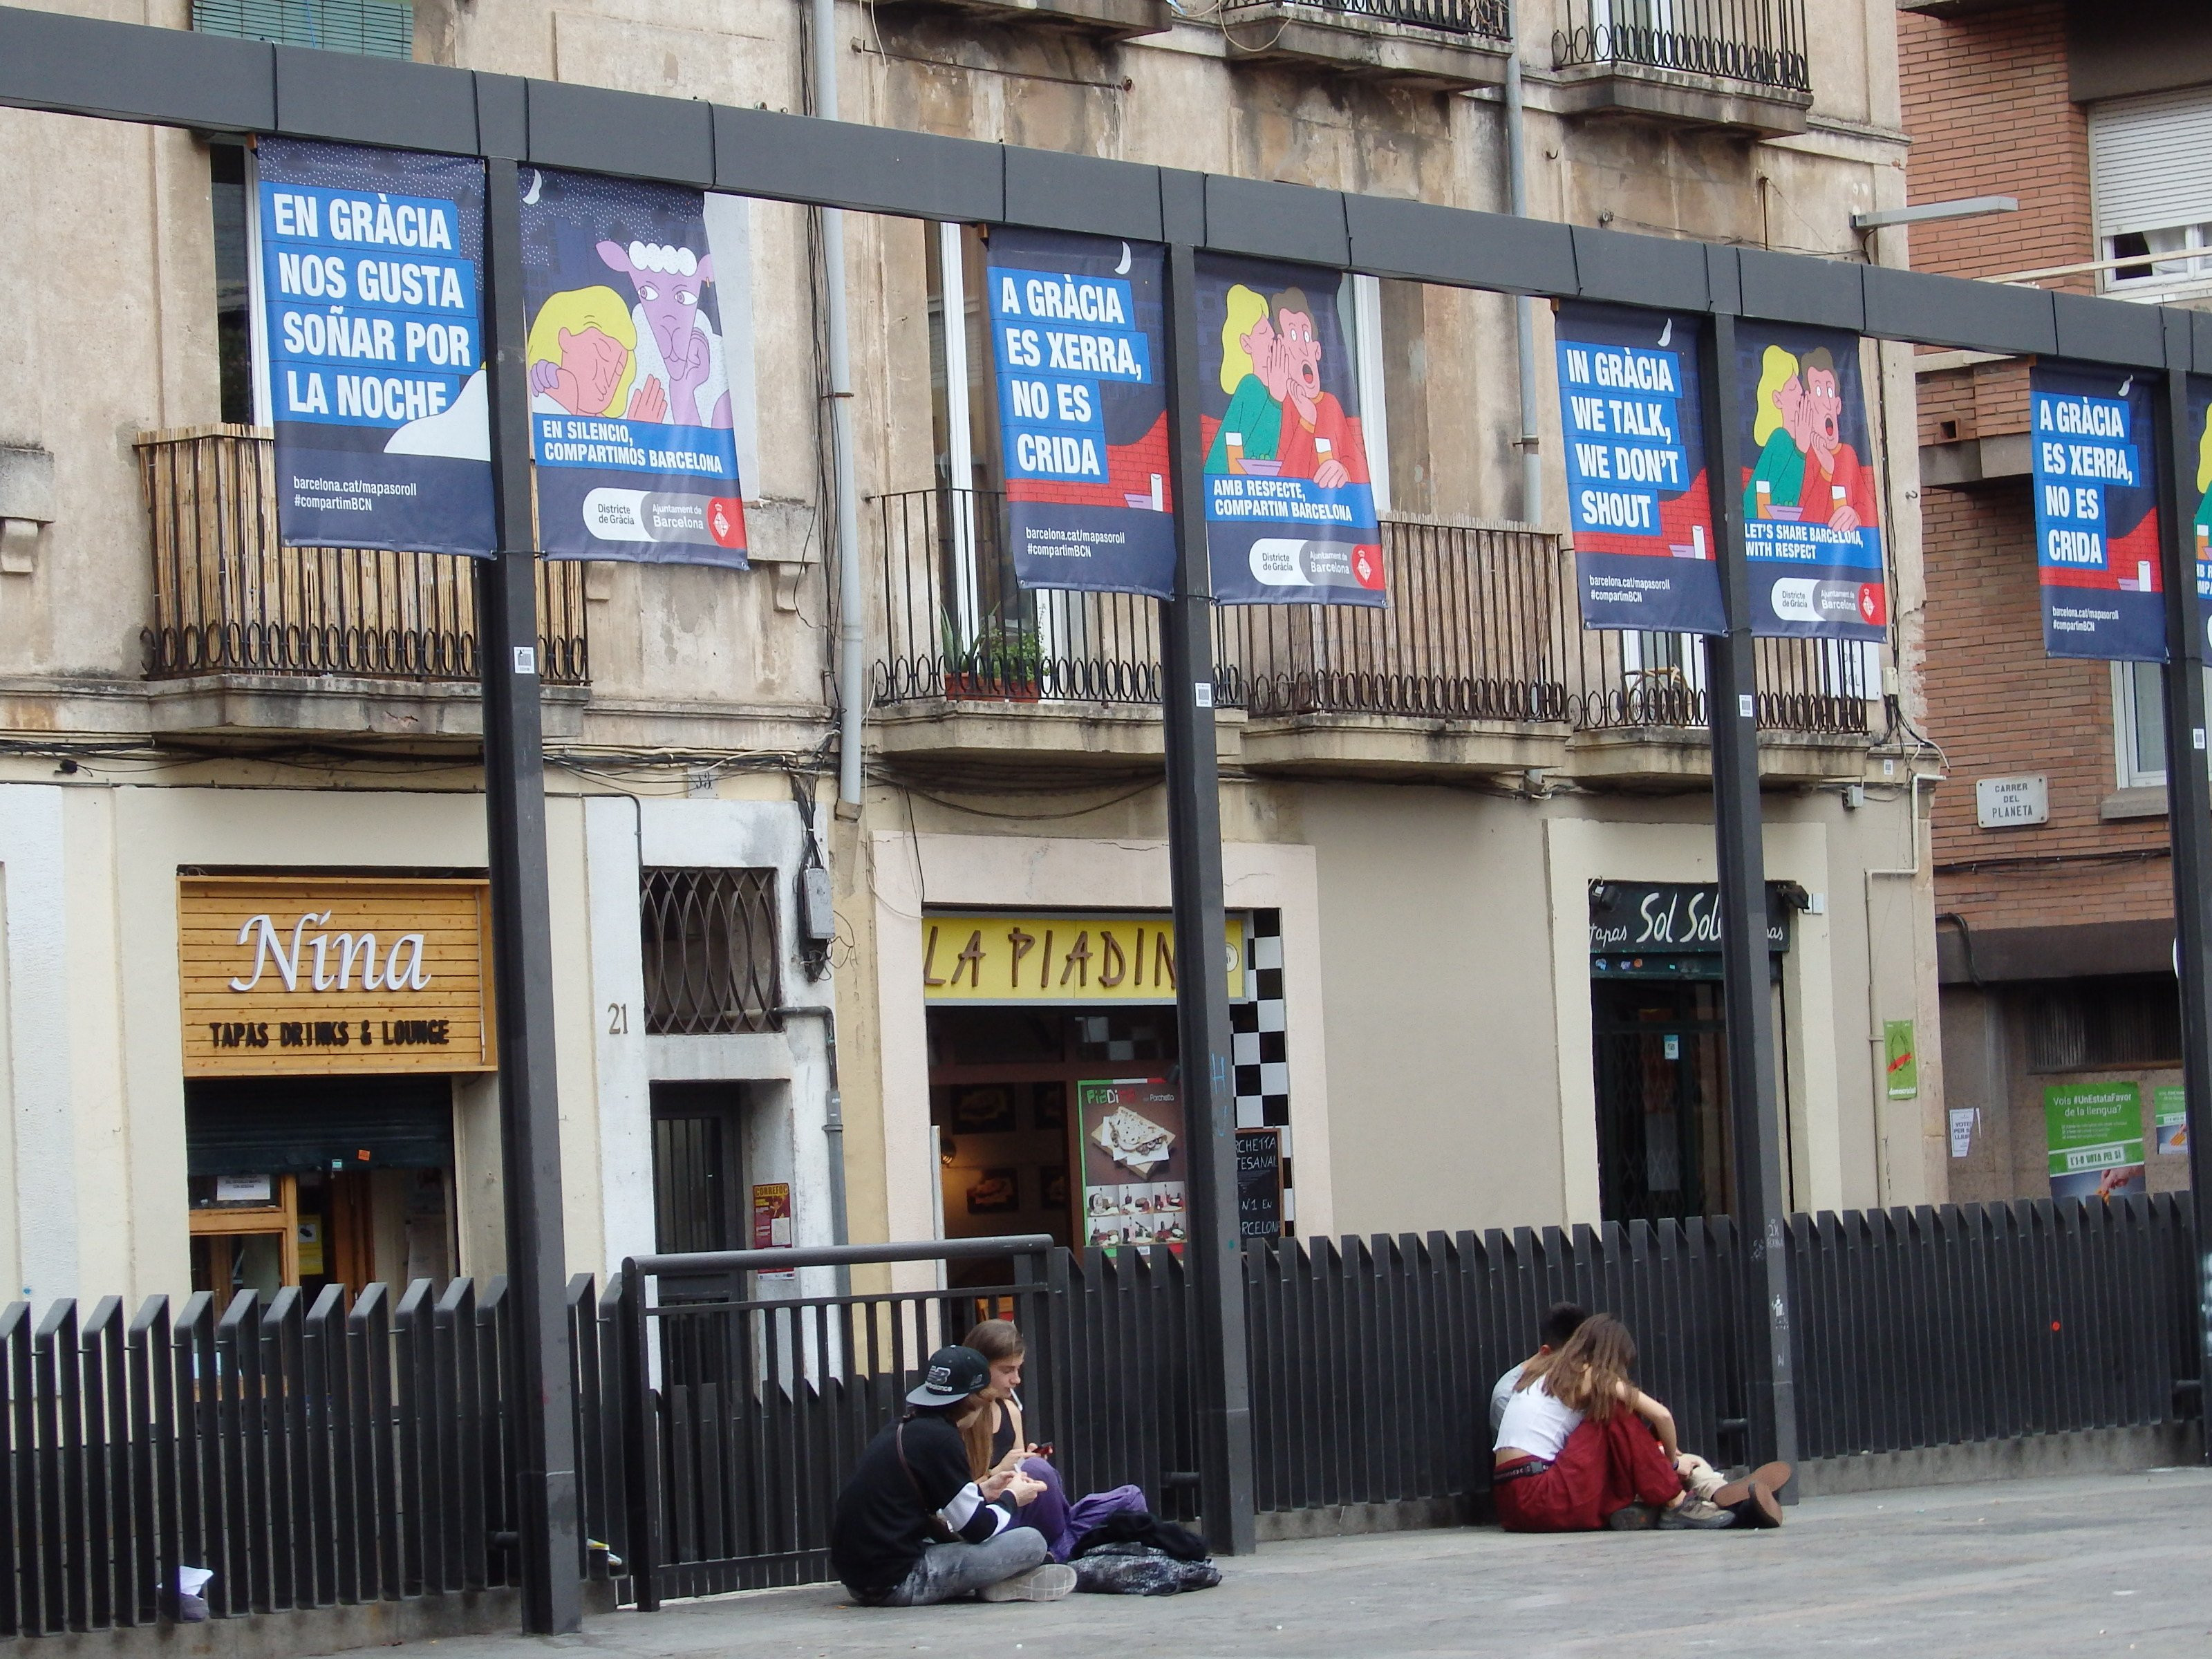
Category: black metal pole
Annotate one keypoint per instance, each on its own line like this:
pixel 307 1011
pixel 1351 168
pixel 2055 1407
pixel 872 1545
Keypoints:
pixel 1731 714
pixel 1217 1254
pixel 544 1424
pixel 2188 812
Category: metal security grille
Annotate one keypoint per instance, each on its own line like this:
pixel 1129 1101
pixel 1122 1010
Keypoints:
pixel 2100 1025
pixel 710 951
pixel 378 28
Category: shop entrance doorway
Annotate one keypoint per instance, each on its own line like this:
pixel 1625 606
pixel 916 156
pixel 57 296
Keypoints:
pixel 1009 1105
pixel 311 1182
pixel 1664 1143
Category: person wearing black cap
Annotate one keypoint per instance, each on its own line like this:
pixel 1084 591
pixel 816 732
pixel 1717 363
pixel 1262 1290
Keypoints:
pixel 913 1529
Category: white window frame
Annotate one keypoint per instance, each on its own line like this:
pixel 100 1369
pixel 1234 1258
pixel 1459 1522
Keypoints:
pixel 2126 734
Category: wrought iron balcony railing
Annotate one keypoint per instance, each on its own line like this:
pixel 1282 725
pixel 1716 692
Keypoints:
pixel 230 598
pixel 1492 19
pixel 1482 625
pixel 1758 42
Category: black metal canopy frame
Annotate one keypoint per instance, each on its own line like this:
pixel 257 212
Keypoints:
pixel 77 66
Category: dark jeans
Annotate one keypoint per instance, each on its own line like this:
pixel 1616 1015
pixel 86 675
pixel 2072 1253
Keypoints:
pixel 949 1570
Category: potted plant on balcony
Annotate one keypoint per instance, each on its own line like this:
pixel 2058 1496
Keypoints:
pixel 1003 661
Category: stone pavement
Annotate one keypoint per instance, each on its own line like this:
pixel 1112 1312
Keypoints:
pixel 2088 1565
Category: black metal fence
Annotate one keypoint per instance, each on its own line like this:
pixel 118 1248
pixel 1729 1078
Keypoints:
pixel 1482 625
pixel 1761 42
pixel 313 1456
pixel 230 598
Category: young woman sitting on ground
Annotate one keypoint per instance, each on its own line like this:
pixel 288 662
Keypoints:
pixel 1582 1448
pixel 996 1446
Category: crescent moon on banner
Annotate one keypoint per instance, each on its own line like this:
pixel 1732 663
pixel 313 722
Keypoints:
pixel 1122 270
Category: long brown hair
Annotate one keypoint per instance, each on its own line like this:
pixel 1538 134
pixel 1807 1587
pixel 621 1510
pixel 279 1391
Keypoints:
pixel 1587 1372
pixel 996 1340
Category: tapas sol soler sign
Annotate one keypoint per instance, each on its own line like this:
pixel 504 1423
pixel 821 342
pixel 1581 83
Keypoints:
pixel 318 977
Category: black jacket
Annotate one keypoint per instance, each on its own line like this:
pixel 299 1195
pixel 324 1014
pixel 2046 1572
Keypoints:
pixel 882 1520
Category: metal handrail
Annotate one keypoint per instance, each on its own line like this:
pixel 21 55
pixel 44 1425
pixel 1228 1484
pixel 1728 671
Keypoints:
pixel 1761 42
pixel 1491 19
pixel 1482 624
pixel 835 1255
pixel 231 598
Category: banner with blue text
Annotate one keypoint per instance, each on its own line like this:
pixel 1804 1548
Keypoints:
pixel 2196 494
pixel 1636 496
pixel 2096 513
pixel 1812 522
pixel 629 384
pixel 368 279
pixel 1076 334
pixel 1290 514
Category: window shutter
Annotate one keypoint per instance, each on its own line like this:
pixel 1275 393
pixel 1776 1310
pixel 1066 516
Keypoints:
pixel 379 29
pixel 2150 161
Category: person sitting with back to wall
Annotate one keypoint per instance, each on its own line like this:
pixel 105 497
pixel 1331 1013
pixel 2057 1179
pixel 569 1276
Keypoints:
pixel 1581 1448
pixel 912 1528
pixel 1561 1320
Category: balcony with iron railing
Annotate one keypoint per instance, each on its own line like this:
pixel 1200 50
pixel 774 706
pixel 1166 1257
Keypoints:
pixel 1479 662
pixel 1436 43
pixel 1739 64
pixel 249 633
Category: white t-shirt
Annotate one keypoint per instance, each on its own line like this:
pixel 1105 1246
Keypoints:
pixel 1534 1422
pixel 1503 1392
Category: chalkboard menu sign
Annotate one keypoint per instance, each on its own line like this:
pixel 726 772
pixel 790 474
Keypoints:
pixel 1258 1183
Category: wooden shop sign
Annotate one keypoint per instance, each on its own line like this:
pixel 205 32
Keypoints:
pixel 322 975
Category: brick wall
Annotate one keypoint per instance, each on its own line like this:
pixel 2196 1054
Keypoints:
pixel 1985 103
pixel 2000 708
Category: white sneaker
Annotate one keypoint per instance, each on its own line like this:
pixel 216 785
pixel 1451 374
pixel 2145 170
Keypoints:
pixel 1045 1584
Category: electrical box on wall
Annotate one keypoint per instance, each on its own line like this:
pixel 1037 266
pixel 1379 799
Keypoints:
pixel 817 916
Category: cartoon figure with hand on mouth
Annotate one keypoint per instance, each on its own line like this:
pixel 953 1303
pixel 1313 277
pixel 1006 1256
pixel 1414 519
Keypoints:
pixel 1804 465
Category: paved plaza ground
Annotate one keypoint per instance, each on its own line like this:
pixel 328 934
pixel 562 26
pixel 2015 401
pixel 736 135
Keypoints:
pixel 2094 1565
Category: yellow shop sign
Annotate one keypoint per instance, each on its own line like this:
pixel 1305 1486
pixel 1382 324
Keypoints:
pixel 1066 957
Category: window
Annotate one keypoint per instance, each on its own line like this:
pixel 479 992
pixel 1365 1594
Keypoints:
pixel 377 28
pixel 2103 1024
pixel 712 952
pixel 226 175
pixel 2150 170
pixel 2139 722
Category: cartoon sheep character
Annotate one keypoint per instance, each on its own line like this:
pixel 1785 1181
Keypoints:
pixel 676 345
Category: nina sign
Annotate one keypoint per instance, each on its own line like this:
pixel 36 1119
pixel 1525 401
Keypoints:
pixel 317 976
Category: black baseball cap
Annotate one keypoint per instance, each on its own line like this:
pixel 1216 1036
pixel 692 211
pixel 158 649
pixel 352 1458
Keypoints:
pixel 954 1373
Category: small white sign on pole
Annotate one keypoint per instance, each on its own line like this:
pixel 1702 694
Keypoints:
pixel 2007 803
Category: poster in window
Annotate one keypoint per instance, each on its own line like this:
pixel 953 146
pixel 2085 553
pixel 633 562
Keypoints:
pixel 368 272
pixel 1290 510
pixel 1631 415
pixel 629 373
pixel 1075 326
pixel 1133 1164
pixel 1812 521
pixel 2096 513
pixel 2094 1134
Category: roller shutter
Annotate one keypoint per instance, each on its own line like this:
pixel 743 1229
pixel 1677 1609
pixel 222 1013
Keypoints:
pixel 292 1126
pixel 2150 161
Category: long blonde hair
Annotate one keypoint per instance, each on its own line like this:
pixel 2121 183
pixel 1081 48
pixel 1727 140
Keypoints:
pixel 1246 311
pixel 996 1340
pixel 1589 1370
pixel 576 310
pixel 1776 368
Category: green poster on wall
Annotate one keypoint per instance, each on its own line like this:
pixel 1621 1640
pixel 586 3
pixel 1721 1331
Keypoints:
pixel 1903 1060
pixel 2094 1131
pixel 2170 1106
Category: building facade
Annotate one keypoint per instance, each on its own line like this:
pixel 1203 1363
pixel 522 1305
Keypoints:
pixel 1449 825
pixel 2054 883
